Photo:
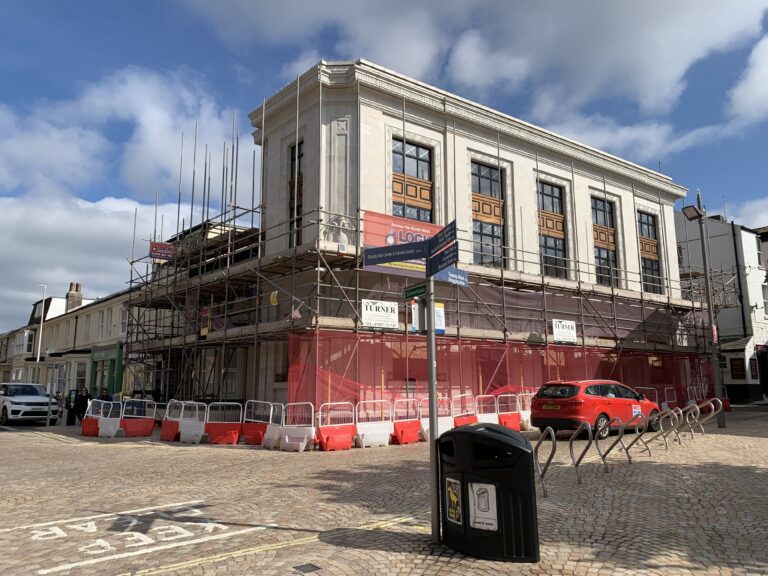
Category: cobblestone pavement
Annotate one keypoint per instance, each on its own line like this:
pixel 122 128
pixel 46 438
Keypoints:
pixel 73 505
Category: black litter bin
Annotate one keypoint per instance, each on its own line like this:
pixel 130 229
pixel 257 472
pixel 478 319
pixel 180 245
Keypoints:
pixel 488 493
pixel 69 405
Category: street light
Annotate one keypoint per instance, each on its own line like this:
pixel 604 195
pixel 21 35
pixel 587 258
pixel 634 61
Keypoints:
pixel 39 345
pixel 699 213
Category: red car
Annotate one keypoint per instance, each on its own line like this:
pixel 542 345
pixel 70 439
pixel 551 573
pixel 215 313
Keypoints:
pixel 565 405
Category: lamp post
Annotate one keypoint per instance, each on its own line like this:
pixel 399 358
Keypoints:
pixel 39 346
pixel 699 213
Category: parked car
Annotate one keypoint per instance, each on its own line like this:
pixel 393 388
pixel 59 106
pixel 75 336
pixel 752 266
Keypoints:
pixel 565 405
pixel 20 401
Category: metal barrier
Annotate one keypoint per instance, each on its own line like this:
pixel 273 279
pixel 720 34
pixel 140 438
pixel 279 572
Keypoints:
pixel 192 422
pixel 463 409
pixel 487 408
pixel 373 419
pixel 642 422
pixel 577 461
pixel 620 439
pixel 138 418
pixel 173 410
pixel 524 402
pixel 405 409
pixel 548 432
pixel 336 414
pixel 694 395
pixel 298 432
pixel 444 418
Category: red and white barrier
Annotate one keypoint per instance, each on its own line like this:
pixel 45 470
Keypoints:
pixel 298 432
pixel 463 410
pixel 169 429
pixel 373 419
pixel 406 425
pixel 524 402
pixel 444 418
pixel 271 438
pixel 509 411
pixel 223 422
pixel 192 422
pixel 138 417
pixel 336 426
pixel 487 409
pixel 258 415
pixel 670 399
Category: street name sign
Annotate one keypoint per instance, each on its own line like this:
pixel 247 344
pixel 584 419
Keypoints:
pixel 415 291
pixel 395 253
pixel 441 260
pixel 444 237
pixel 453 276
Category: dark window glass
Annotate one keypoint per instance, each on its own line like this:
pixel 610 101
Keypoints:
pixel 300 159
pixel 652 276
pixel 488 240
pixel 553 256
pixel 646 224
pixel 602 212
pixel 296 198
pixel 417 162
pixel 593 390
pixel 412 212
pixel 397 209
pixel 605 267
pixel 624 392
pixel 557 391
pixel 486 180
pixel 550 198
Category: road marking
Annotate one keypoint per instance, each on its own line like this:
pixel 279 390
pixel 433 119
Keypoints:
pixel 124 513
pixel 263 548
pixel 149 550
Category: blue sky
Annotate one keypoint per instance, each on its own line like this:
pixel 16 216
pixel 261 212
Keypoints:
pixel 94 97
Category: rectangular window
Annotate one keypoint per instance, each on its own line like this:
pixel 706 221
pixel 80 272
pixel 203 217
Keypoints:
pixel 101 324
pixel 753 371
pixel 605 267
pixel 765 299
pixel 759 245
pixel 123 321
pixel 486 180
pixel 550 198
pixel 30 342
pixel 604 237
pixel 738 369
pixel 553 258
pixel 296 196
pixel 109 323
pixel 646 225
pixel 488 239
pixel 87 329
pixel 80 368
pixel 411 181
pixel 652 276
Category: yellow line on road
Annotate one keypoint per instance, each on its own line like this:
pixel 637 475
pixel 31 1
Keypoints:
pixel 258 549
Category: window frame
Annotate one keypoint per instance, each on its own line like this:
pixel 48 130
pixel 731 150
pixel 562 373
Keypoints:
pixel 556 262
pixel 417 157
pixel 647 222
pixel 544 192
pixel 480 244
pixel 649 280
pixel 496 175
pixel 606 212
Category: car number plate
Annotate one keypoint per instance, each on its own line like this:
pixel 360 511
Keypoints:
pixel 551 407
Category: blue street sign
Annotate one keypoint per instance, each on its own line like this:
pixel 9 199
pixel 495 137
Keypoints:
pixel 453 276
pixel 442 238
pixel 447 257
pixel 395 253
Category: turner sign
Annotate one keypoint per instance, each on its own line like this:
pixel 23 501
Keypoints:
pixel 380 314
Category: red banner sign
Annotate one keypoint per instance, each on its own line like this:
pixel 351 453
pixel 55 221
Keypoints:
pixel 161 251
pixel 385 230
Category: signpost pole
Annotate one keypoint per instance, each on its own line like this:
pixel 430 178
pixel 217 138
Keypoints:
pixel 432 373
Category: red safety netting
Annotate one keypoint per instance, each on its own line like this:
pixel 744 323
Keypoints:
pixel 334 366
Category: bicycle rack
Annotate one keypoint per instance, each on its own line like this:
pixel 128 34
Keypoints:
pixel 642 422
pixel 679 421
pixel 548 432
pixel 691 415
pixel 714 412
pixel 660 416
pixel 577 461
pixel 604 455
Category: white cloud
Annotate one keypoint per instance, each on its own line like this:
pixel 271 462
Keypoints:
pixel 306 59
pixel 748 100
pixel 752 213
pixel 129 123
pixel 472 58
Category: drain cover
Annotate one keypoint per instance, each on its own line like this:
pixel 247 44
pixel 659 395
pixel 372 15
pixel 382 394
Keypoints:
pixel 307 568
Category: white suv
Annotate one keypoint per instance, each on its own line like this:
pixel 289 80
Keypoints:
pixel 23 402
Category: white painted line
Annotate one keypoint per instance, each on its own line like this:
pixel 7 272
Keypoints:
pixel 150 550
pixel 124 513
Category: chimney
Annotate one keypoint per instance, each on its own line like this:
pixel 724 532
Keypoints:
pixel 74 296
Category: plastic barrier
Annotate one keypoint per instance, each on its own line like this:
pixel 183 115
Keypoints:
pixel 138 418
pixel 223 422
pixel 298 432
pixel 487 409
pixel 373 419
pixel 670 399
pixel 258 415
pixel 169 430
pixel 550 434
pixel 524 402
pixel 444 418
pixel 463 410
pixel 694 395
pixel 271 438
pixel 509 414
pixel 406 424
pixel 336 426
pixel 650 393
pixel 90 422
pixel 192 422
pixel 109 419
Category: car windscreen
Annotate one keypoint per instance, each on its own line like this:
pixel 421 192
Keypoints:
pixel 25 390
pixel 557 391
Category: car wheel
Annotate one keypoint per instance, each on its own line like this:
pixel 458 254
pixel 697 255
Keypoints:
pixel 601 421
pixel 653 421
pixel 4 417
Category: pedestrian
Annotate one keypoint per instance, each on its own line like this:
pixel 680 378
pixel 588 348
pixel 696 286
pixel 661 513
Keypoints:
pixel 81 403
pixel 105 395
